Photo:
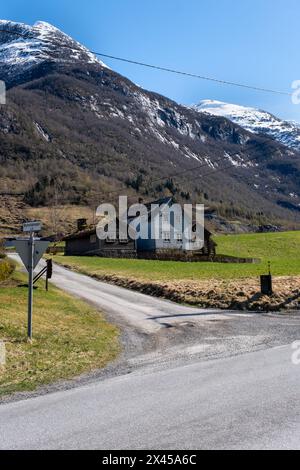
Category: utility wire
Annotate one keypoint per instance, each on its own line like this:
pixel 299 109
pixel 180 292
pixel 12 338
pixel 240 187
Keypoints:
pixel 216 170
pixel 172 71
pixel 169 70
pixel 188 74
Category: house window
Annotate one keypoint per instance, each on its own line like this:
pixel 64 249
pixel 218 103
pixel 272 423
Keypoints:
pixel 179 237
pixel 166 236
pixel 93 239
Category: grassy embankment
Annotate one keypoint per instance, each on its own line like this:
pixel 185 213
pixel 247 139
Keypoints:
pixel 69 337
pixel 211 284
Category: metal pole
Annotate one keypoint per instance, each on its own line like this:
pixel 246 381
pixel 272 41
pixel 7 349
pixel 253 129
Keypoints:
pixel 30 285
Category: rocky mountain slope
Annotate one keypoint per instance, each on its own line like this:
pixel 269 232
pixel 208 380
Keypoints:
pixel 74 131
pixel 255 120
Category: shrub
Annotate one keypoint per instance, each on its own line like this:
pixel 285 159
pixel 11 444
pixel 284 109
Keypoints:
pixel 7 267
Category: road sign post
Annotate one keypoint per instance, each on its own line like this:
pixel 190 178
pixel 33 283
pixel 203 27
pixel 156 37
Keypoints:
pixel 30 286
pixel 30 251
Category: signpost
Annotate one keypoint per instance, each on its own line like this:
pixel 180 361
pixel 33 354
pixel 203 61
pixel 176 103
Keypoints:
pixel 30 251
pixel 32 227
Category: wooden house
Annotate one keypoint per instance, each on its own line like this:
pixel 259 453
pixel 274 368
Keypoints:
pixel 166 243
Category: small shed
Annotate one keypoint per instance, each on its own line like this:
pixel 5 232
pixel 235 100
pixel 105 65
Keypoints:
pixel 86 243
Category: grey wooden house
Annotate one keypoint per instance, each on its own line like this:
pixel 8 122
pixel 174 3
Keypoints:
pixel 170 233
pixel 85 242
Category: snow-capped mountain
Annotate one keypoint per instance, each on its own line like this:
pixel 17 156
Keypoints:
pixel 23 46
pixel 255 121
pixel 73 122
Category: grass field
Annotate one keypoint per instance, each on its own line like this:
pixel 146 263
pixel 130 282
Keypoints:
pixel 70 338
pixel 282 249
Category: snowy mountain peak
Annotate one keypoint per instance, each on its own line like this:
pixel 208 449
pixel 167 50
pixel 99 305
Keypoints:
pixel 235 112
pixel 23 46
pixel 254 120
pixel 43 25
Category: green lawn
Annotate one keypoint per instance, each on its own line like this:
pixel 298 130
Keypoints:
pixel 69 337
pixel 282 249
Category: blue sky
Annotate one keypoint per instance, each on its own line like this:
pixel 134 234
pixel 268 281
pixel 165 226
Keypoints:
pixel 250 41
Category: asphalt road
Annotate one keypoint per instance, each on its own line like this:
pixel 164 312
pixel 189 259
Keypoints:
pixel 146 313
pixel 242 402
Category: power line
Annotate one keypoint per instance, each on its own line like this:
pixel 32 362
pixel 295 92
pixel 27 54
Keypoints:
pixel 216 170
pixel 188 74
pixel 174 71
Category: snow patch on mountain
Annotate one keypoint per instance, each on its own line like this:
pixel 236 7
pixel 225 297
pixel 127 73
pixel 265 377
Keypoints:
pixel 42 132
pixel 255 121
pixel 23 46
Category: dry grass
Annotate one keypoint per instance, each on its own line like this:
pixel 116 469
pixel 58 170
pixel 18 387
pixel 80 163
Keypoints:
pixel 60 219
pixel 241 294
pixel 70 338
pixel 235 294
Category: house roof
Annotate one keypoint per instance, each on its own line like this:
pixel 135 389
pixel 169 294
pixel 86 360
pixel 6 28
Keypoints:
pixel 82 234
pixel 159 202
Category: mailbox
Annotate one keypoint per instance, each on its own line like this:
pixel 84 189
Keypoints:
pixel 266 284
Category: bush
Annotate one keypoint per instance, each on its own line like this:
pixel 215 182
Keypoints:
pixel 7 267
